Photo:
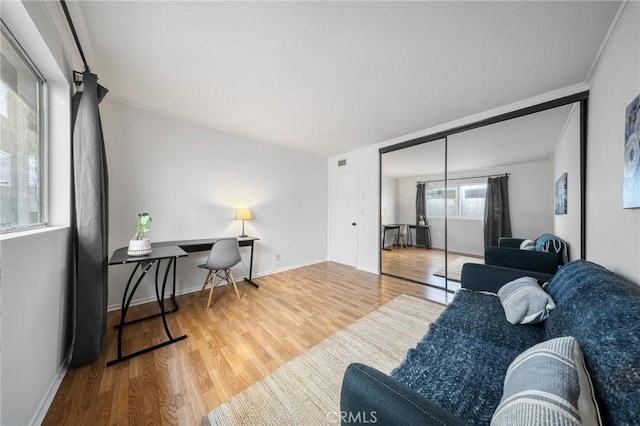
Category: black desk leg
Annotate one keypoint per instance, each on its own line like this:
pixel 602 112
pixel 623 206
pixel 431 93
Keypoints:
pixel 126 302
pixel 251 269
pixel 384 236
pixel 164 285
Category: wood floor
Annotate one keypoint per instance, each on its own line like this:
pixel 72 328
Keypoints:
pixel 419 264
pixel 229 347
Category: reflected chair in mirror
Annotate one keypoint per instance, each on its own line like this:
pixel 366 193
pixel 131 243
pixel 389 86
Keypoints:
pixel 402 236
pixel 224 254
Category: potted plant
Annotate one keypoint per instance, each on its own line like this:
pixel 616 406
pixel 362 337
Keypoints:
pixel 140 246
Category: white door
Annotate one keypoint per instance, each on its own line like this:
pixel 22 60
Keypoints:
pixel 343 237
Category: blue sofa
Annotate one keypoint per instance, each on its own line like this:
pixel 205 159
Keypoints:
pixel 456 372
pixel 546 255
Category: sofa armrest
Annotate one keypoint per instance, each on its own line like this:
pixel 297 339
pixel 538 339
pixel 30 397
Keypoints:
pixel 510 242
pixel 370 396
pixel 490 278
pixel 527 260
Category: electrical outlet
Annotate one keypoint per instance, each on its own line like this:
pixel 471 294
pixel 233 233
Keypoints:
pixel 277 258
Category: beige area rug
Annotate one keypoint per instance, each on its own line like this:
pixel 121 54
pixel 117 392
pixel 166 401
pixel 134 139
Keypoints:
pixel 455 267
pixel 306 390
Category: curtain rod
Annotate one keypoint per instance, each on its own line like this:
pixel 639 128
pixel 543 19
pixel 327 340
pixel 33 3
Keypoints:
pixel 463 178
pixel 75 35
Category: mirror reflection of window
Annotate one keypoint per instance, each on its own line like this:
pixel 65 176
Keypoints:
pixel 472 201
pixel 463 201
pixel 436 199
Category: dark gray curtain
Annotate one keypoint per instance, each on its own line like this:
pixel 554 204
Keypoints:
pixel 90 221
pixel 421 237
pixel 497 220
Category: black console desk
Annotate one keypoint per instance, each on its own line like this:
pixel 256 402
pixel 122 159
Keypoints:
pixel 171 253
pixel 162 251
pixel 193 246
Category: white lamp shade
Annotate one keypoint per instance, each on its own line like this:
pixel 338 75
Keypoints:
pixel 243 214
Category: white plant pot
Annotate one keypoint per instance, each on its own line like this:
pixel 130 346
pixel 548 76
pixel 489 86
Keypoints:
pixel 139 247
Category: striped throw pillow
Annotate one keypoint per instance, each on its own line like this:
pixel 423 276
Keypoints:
pixel 548 384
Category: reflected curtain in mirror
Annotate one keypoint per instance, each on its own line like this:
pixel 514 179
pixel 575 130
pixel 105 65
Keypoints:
pixel 497 219
pixel 421 213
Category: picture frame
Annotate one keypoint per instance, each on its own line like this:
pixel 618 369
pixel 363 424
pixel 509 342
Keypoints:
pixel 631 163
pixel 561 194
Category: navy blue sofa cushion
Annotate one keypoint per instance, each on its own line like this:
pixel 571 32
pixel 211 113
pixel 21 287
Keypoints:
pixel 461 362
pixel 602 311
pixel 488 323
pixel 479 277
pixel 462 374
pixel 507 257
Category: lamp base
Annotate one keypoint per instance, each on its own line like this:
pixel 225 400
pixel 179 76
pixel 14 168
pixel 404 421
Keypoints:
pixel 243 236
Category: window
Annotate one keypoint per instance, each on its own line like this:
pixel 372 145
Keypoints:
pixel 472 198
pixel 436 199
pixel 462 201
pixel 22 142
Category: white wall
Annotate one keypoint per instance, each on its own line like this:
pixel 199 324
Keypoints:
pixel 390 201
pixel 565 160
pixel 190 178
pixel 35 264
pixel 530 201
pixel 613 233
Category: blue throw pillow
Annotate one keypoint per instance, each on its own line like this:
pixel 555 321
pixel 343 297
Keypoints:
pixel 549 243
pixel 542 239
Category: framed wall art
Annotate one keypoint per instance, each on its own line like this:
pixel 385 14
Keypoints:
pixel 561 195
pixel 631 185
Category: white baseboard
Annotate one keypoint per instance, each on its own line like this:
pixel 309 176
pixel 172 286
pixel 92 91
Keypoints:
pixel 43 407
pixel 289 268
pixel 371 271
pixel 142 301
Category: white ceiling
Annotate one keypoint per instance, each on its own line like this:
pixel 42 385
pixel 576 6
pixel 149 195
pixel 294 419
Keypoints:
pixel 328 77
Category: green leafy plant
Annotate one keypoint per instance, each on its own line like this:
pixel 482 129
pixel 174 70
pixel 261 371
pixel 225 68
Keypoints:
pixel 142 226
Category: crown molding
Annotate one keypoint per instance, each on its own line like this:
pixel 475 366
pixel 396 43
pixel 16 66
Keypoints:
pixel 608 38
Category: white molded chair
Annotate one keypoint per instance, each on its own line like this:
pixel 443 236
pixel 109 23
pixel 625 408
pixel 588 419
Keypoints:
pixel 224 254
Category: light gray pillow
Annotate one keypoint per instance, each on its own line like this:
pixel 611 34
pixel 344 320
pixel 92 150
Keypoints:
pixel 528 245
pixel 524 302
pixel 548 384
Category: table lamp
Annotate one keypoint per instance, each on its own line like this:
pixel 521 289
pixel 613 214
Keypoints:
pixel 243 214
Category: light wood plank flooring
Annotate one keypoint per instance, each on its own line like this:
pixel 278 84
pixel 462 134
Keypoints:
pixel 419 264
pixel 229 347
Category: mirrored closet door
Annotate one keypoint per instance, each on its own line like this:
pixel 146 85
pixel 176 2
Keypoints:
pixel 436 194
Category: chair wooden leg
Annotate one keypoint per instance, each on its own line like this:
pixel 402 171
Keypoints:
pixel 213 285
pixel 206 280
pixel 234 283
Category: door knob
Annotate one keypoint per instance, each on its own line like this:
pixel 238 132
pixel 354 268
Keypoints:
pixel 353 224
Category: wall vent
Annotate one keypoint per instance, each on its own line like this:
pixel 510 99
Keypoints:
pixel 342 163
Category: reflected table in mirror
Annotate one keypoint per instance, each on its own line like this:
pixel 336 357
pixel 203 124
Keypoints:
pixel 386 228
pixel 423 231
